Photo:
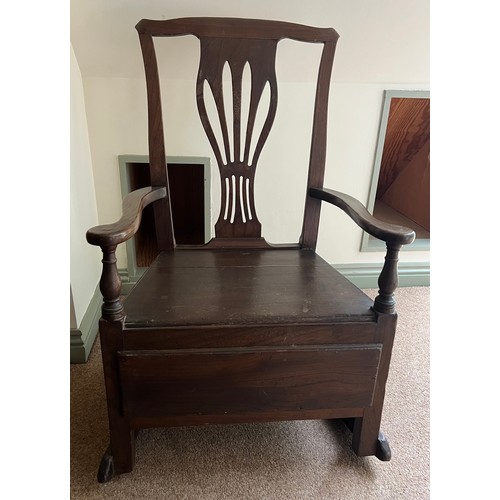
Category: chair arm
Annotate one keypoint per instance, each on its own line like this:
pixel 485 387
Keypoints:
pixel 390 233
pixel 133 205
pixel 393 235
pixel 109 236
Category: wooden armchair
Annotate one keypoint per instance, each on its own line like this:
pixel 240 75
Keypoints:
pixel 240 330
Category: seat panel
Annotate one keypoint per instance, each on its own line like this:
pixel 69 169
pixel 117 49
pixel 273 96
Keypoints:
pixel 243 287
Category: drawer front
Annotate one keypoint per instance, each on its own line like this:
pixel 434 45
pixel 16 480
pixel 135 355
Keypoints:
pixel 239 381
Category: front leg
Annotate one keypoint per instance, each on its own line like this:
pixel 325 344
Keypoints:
pixel 382 448
pixel 367 438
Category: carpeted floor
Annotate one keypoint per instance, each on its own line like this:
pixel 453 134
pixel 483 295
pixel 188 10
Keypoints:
pixel 287 460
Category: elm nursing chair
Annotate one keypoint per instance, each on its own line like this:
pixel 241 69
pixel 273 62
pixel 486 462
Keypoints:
pixel 239 330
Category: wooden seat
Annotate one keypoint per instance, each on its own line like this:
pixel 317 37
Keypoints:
pixel 241 330
pixel 244 287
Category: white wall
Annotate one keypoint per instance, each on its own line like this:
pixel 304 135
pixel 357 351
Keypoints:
pixel 380 41
pixel 118 125
pixel 383 45
pixel 85 260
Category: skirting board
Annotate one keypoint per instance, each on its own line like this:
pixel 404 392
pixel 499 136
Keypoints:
pixel 366 275
pixel 82 339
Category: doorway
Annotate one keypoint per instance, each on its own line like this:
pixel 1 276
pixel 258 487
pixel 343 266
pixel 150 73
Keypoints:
pixel 400 190
pixel 189 181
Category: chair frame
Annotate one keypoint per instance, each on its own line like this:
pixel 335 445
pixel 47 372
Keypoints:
pixel 221 40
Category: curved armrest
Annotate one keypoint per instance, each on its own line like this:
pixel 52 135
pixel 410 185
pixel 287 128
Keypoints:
pixel 126 227
pixel 390 233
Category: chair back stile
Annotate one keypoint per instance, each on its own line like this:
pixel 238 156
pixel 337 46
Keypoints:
pixel 236 45
pixel 157 158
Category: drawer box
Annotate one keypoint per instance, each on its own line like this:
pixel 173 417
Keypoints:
pixel 239 381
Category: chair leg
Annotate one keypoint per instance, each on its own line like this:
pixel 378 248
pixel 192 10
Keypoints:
pixel 367 438
pixel 119 456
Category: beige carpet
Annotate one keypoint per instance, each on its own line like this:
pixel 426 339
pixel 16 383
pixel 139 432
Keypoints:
pixel 286 460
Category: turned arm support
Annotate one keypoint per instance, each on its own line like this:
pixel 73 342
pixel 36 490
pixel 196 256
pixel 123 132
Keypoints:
pixel 108 236
pixel 395 237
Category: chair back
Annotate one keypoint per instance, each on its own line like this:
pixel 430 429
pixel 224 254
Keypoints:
pixel 236 44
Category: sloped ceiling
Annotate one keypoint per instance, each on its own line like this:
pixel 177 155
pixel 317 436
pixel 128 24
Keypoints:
pixel 382 41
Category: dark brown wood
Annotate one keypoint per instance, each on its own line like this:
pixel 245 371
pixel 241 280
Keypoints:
pixel 223 381
pixel 395 236
pixel 244 287
pixel 249 336
pixel 109 236
pixel 110 286
pixel 255 44
pixel 229 243
pixel 226 27
pixel 126 227
pixel 168 420
pixel 366 430
pixel 391 233
pixel 157 157
pixel 239 330
pixel 317 159
pixel 388 281
pixel 122 435
pixel 145 243
pixel 238 217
